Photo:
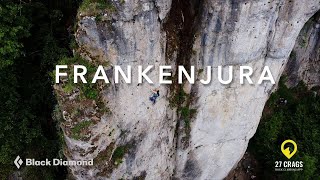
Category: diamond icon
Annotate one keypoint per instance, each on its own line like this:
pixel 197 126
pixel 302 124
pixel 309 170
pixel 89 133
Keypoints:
pixel 18 162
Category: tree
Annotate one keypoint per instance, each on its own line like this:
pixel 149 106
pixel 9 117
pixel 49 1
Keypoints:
pixel 299 120
pixel 33 37
pixel 14 27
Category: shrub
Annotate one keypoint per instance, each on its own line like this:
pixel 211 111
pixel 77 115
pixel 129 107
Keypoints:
pixel 187 114
pixel 119 153
pixel 87 90
pixel 78 129
pixel 96 7
pixel 68 88
pixel 177 98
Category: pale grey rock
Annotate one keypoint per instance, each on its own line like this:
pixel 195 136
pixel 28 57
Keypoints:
pixel 253 33
pixel 135 38
pixel 132 8
pixel 304 63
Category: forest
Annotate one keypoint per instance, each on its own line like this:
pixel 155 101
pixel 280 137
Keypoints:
pixel 34 35
pixel 290 113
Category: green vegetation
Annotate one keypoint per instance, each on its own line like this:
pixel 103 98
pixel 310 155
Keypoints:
pixel 200 71
pixel 87 90
pixel 303 41
pixel 118 154
pixel 33 37
pixel 99 18
pixel 96 7
pixel 178 98
pixel 12 30
pixel 73 43
pixel 122 2
pixel 289 114
pixel 112 156
pixel 181 100
pixel 104 155
pixel 187 114
pixel 303 38
pixel 68 88
pixel 293 56
pixel 88 95
pixel 79 128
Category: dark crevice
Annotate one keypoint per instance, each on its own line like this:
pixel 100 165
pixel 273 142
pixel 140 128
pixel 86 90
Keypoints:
pixel 181 25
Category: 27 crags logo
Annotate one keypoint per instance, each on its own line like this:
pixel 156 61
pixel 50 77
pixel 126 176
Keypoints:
pixel 289 152
pixel 286 151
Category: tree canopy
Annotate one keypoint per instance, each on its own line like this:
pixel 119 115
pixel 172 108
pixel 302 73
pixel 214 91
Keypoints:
pixel 290 113
pixel 33 37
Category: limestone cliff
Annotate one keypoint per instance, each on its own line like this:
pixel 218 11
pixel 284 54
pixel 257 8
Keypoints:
pixel 193 131
pixel 303 64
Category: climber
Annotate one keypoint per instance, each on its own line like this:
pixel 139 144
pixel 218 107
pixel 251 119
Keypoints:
pixel 155 95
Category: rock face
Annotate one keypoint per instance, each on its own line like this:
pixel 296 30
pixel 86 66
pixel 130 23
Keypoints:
pixel 193 131
pixel 303 64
